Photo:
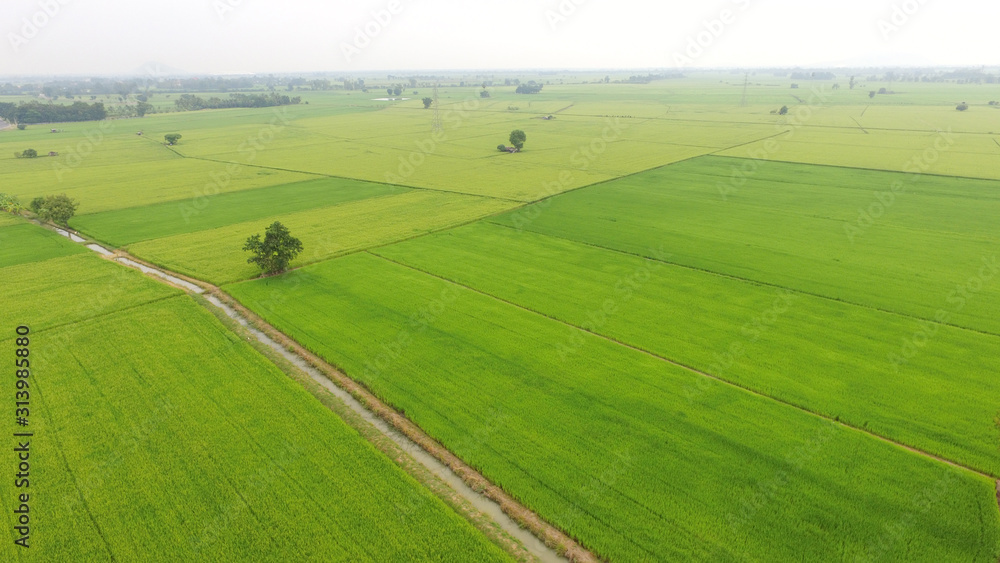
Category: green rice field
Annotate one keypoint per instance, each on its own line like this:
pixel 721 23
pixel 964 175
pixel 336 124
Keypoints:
pixel 680 325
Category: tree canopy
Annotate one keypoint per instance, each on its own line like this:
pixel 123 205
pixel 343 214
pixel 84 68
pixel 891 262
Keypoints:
pixel 172 138
pixel 190 102
pixel 531 87
pixel 56 208
pixel 277 249
pixel 36 112
pixel 517 138
pixel 428 102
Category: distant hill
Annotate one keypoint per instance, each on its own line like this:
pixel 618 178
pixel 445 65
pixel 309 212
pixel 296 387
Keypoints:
pixel 155 69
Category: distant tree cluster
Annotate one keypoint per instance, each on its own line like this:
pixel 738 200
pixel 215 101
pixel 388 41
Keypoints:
pixel 190 102
pixel 647 78
pixel 531 87
pixel 813 76
pixel 37 112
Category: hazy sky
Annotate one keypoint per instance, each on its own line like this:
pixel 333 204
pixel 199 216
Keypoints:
pixel 237 36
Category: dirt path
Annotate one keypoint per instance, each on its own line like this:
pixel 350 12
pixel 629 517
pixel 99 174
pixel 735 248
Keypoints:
pixel 539 538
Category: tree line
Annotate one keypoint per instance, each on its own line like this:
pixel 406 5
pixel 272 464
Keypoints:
pixel 190 102
pixel 36 112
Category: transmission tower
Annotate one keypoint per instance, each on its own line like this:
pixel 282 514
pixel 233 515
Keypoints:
pixel 746 85
pixel 436 124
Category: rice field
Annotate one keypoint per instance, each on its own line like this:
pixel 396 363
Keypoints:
pixel 216 254
pixel 894 242
pixel 189 450
pixel 826 356
pixel 677 326
pixel 655 475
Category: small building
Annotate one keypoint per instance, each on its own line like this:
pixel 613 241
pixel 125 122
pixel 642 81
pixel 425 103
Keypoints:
pixel 53 153
pixel 139 133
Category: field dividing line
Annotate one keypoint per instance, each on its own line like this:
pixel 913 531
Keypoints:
pixel 745 144
pixel 755 282
pixel 323 175
pixel 868 169
pixel 696 371
pixel 69 470
pixel 99 316
pixel 768 123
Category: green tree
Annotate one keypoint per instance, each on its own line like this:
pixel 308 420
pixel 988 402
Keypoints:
pixel 783 110
pixel 275 251
pixel 172 138
pixel 21 126
pixel 29 153
pixel 962 106
pixel 428 102
pixel 142 108
pixel 36 205
pixel 56 208
pixel 517 138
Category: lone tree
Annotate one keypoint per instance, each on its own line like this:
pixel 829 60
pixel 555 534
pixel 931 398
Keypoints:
pixel 277 249
pixel 517 138
pixel 172 138
pixel 783 110
pixel 28 153
pixel 55 208
pixel 428 102
pixel 962 106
